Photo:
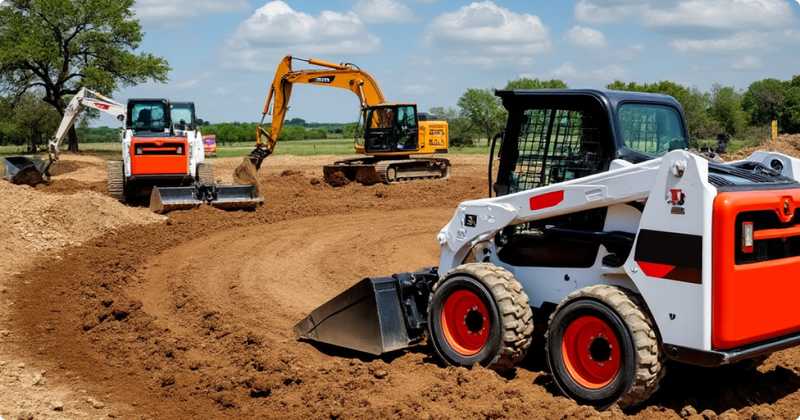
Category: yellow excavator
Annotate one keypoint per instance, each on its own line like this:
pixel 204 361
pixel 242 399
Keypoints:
pixel 398 143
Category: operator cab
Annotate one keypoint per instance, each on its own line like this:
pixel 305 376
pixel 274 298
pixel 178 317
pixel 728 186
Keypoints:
pixel 148 116
pixel 391 128
pixel 555 135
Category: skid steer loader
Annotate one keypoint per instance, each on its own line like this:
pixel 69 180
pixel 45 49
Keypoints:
pixel 626 248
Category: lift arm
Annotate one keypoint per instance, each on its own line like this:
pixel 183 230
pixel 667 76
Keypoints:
pixel 74 108
pixel 344 76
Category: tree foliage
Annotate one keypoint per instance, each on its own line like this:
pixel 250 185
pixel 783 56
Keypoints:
pixel 59 46
pixel 726 109
pixel 527 83
pixel 483 110
pixel 459 129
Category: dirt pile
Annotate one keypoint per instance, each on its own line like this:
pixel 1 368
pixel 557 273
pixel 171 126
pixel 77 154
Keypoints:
pixel 193 317
pixel 788 144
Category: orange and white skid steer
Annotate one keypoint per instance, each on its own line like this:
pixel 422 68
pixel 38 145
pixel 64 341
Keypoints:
pixel 627 249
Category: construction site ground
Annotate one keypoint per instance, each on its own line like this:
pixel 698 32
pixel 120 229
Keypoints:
pixel 111 311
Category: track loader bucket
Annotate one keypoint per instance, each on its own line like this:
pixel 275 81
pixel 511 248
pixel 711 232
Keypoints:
pixel 25 171
pixel 229 197
pixel 375 316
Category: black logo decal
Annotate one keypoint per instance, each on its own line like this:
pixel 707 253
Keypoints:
pixel 322 79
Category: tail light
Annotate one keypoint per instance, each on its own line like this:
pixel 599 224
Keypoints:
pixel 747 237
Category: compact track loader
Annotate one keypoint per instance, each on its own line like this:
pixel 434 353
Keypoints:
pixel 625 248
pixel 162 156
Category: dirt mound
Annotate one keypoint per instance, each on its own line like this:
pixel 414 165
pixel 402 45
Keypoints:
pixel 193 317
pixel 788 144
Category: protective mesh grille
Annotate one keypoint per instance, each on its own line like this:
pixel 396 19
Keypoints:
pixel 555 146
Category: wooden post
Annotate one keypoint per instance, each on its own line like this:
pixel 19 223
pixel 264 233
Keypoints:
pixel 774 128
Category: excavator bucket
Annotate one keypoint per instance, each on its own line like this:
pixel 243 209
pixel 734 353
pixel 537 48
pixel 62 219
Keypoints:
pixel 229 197
pixel 375 316
pixel 24 171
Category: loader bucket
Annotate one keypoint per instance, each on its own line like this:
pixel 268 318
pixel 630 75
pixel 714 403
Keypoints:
pixel 229 197
pixel 24 171
pixel 367 317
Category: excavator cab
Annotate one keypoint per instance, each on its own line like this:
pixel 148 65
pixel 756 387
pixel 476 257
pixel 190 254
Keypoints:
pixel 391 128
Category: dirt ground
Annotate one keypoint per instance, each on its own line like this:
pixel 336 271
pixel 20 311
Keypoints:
pixel 111 311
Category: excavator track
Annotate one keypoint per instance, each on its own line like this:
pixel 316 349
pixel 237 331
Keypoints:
pixel 392 171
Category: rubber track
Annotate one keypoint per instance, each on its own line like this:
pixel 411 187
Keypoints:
pixel 382 168
pixel 205 173
pixel 513 305
pixel 650 368
pixel 116 180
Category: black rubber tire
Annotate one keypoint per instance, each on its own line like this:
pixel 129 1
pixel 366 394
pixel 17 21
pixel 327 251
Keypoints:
pixel 205 173
pixel 641 363
pixel 116 180
pixel 509 318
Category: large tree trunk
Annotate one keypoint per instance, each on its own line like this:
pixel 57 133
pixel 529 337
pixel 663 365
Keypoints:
pixel 73 139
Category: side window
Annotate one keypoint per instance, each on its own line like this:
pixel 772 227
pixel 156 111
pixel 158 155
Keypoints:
pixel 651 129
pixel 556 145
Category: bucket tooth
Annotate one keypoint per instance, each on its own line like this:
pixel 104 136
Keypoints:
pixel 367 317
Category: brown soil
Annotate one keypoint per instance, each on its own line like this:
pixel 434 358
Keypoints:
pixel 109 311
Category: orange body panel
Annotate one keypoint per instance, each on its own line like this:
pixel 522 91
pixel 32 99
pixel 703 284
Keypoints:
pixel 161 156
pixel 758 300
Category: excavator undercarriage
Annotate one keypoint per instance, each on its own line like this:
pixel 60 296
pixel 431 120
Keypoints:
pixel 372 170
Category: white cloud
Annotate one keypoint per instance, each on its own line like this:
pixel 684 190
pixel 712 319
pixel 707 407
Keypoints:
pixel 175 13
pixel 566 70
pixel 711 14
pixel 481 32
pixel 276 29
pixel 587 38
pixel 608 11
pixel 747 63
pixel 603 76
pixel 738 42
pixel 383 11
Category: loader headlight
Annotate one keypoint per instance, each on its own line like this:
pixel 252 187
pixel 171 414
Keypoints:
pixel 180 150
pixel 139 150
pixel 747 237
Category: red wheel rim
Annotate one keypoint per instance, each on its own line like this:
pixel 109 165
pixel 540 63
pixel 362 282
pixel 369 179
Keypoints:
pixel 591 352
pixel 465 322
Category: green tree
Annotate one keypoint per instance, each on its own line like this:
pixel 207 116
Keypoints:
pixel 726 109
pixel 36 120
pixel 764 101
pixel 59 46
pixel 483 110
pixel 460 132
pixel 527 83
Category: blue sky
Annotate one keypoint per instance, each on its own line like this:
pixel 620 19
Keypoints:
pixel 224 53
